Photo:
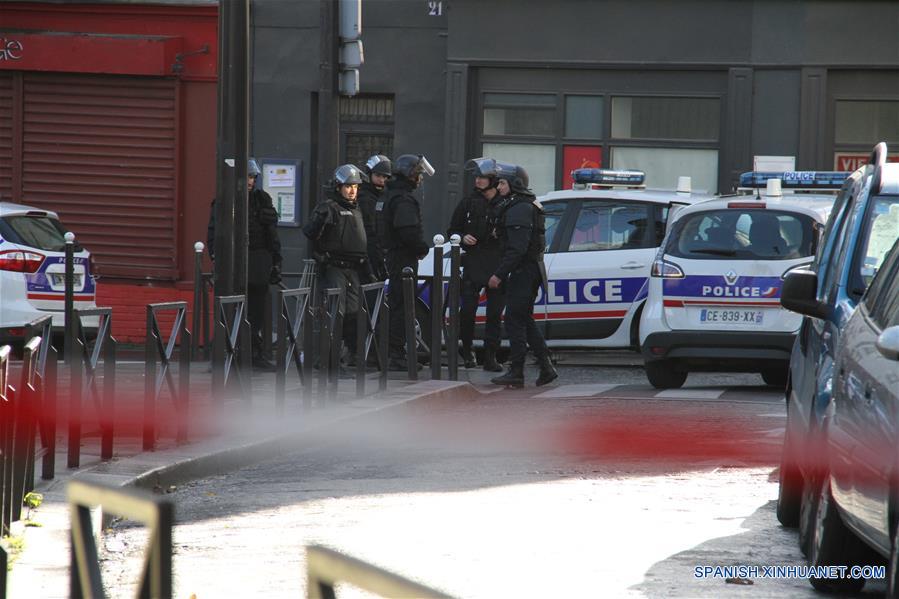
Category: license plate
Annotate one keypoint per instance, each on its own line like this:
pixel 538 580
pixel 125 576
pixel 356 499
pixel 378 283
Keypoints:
pixel 60 279
pixel 719 316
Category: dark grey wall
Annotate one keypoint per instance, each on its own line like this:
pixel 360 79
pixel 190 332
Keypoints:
pixel 405 55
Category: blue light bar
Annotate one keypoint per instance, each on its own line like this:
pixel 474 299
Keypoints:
pixel 795 179
pixel 604 176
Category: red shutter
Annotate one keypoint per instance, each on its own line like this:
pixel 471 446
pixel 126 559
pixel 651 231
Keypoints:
pixel 100 150
pixel 5 137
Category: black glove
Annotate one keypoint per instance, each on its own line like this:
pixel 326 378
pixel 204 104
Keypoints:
pixel 275 277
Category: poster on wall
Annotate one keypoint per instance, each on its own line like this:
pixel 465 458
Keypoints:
pixel 281 179
pixel 574 157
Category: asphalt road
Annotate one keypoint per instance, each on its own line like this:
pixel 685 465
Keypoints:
pixel 600 487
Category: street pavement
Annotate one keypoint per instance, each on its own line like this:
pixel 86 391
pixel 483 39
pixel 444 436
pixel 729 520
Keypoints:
pixel 223 436
pixel 597 486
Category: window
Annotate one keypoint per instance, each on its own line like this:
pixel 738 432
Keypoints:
pixel 539 161
pixel 866 122
pixel 367 125
pixel 610 226
pixel 583 117
pixel 519 114
pixel 882 298
pixel 665 118
pixel 744 235
pixel 358 147
pixel 554 211
pixel 40 232
pixel 366 109
pixel 664 165
pixel 883 230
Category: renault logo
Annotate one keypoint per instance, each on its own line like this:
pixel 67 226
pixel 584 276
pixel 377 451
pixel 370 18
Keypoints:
pixel 730 277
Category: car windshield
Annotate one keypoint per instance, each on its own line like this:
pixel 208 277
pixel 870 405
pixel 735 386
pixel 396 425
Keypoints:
pixel 39 232
pixel 743 234
pixel 883 230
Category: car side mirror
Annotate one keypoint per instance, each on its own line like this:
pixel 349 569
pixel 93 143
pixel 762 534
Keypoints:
pixel 888 343
pixel 800 294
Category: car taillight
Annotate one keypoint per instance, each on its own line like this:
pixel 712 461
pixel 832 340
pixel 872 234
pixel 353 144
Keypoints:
pixel 21 261
pixel 665 270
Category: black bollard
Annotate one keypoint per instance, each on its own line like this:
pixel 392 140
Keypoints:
pixel 452 329
pixel 409 320
pixel 436 339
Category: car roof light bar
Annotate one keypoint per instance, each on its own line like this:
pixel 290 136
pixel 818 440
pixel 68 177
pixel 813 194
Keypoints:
pixel 608 177
pixel 794 179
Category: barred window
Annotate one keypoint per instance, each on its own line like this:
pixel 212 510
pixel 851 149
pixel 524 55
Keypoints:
pixel 367 109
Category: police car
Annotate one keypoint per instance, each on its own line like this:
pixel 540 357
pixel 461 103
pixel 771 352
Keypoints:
pixel 32 270
pixel 714 291
pixel 601 237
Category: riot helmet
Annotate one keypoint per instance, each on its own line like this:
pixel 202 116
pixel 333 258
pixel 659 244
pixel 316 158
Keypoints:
pixel 347 174
pixel 253 168
pixel 412 167
pixel 514 175
pixel 482 167
pixel 378 164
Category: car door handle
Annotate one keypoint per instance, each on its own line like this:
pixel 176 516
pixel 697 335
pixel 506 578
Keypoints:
pixel 632 265
pixel 869 395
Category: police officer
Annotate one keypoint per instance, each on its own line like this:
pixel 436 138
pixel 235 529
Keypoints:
pixel 474 220
pixel 398 218
pixel 521 271
pixel 263 259
pixel 371 191
pixel 337 231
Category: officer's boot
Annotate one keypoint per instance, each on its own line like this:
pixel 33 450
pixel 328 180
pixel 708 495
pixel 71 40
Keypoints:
pixel 467 357
pixel 513 378
pixel 547 371
pixel 490 363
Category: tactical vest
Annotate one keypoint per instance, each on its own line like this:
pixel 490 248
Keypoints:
pixel 537 242
pixel 347 236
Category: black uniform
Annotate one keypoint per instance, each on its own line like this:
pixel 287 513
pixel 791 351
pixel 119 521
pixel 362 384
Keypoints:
pixel 477 216
pixel 337 230
pixel 402 237
pixel 368 198
pixel 263 258
pixel 523 234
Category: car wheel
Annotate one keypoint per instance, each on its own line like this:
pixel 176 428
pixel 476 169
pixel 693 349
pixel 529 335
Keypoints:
pixel 789 488
pixel 775 377
pixel 808 503
pixel 832 544
pixel 662 375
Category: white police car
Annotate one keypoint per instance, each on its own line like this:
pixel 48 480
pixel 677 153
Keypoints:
pixel 32 270
pixel 714 291
pixel 601 238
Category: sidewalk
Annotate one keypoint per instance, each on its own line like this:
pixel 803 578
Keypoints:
pixel 222 438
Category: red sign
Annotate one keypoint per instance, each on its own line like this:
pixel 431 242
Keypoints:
pixel 89 53
pixel 850 161
pixel 579 157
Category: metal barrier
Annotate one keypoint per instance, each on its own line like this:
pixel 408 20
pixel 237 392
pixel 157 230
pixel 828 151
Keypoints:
pixel 452 305
pixel 157 349
pixel 46 371
pixel 231 346
pixel 200 320
pixel 325 568
pixel 104 344
pixel 367 321
pixel 436 340
pixel 7 424
pixel 409 322
pixel 294 335
pixel 154 512
pixel 331 335
pixel 24 411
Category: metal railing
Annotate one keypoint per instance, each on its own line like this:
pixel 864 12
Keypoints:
pixel 325 568
pixel 24 411
pixel 231 347
pixel 200 321
pixel 156 348
pixel 329 346
pixel 46 379
pixel 157 514
pixel 7 427
pixel 83 378
pixel 294 340
pixel 370 320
